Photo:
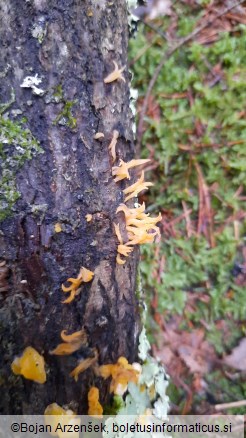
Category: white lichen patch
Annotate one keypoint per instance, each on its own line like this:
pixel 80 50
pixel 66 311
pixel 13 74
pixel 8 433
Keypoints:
pixel 39 30
pixel 145 401
pixel 144 345
pixel 133 98
pixel 32 82
pixel 5 71
pixel 132 3
pixel 132 19
pixel 64 50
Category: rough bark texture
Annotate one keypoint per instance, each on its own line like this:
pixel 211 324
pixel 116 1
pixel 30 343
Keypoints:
pixel 71 45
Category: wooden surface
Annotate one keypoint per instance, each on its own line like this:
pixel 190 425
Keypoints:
pixel 69 180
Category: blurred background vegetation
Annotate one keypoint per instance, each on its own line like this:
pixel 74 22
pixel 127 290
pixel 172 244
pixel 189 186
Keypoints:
pixel 194 130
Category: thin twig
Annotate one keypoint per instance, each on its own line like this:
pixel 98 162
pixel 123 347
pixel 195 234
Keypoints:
pixel 205 216
pixel 236 404
pixel 155 29
pixel 187 219
pixel 166 56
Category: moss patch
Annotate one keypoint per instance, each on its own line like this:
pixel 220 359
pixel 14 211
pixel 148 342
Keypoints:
pixel 65 117
pixel 17 144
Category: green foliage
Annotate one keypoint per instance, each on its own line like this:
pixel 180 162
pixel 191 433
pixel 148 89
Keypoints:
pixel 221 342
pixel 220 152
pixel 148 393
pixel 190 263
pixel 198 142
pixel 232 391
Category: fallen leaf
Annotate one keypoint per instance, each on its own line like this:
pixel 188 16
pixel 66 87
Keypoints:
pixel 153 9
pixel 193 360
pixel 237 359
pixel 166 355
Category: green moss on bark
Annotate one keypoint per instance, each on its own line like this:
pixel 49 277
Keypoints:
pixel 17 145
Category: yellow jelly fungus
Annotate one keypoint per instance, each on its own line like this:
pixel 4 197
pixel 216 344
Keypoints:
pixel 88 217
pixel 122 171
pixel 121 373
pixel 113 143
pixel 115 75
pixel 139 236
pixel 84 277
pixel 55 415
pixel 140 227
pixel 117 232
pixel 84 365
pixel 136 188
pixel 121 249
pixel 98 135
pixel 135 185
pixel 72 343
pixel 58 227
pixel 145 228
pixel 74 337
pixel 30 365
pixel 147 221
pixel 133 213
pixel 119 260
pixel 124 250
pixel 95 408
pixel 54 409
pixel 138 223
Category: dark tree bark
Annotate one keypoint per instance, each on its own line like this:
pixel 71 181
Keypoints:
pixel 71 46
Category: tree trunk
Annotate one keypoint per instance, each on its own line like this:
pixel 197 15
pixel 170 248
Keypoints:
pixel 54 173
